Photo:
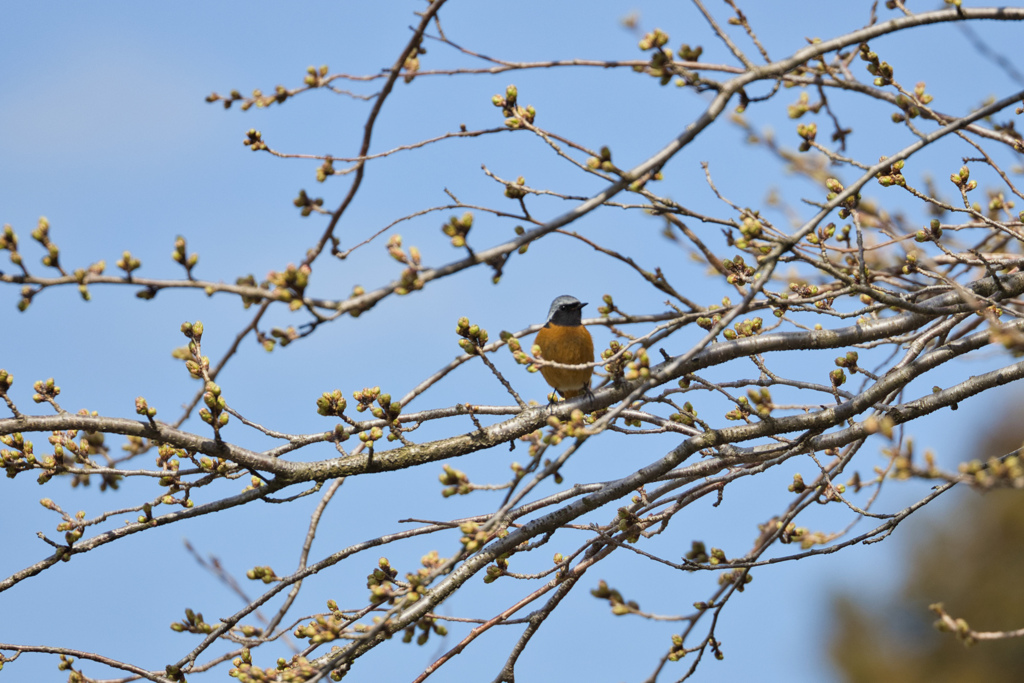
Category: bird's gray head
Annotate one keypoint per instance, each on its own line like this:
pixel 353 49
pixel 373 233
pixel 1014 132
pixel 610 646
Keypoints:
pixel 565 310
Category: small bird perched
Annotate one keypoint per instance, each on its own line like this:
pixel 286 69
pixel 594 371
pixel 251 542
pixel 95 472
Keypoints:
pixel 564 339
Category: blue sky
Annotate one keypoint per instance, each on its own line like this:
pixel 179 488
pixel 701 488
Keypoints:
pixel 103 129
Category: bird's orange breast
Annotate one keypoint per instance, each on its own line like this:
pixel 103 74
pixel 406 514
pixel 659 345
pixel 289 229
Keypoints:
pixel 571 345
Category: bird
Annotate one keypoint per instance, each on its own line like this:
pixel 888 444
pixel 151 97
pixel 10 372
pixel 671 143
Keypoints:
pixel 564 339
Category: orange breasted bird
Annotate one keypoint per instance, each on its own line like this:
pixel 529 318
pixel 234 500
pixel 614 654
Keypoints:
pixel 564 339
